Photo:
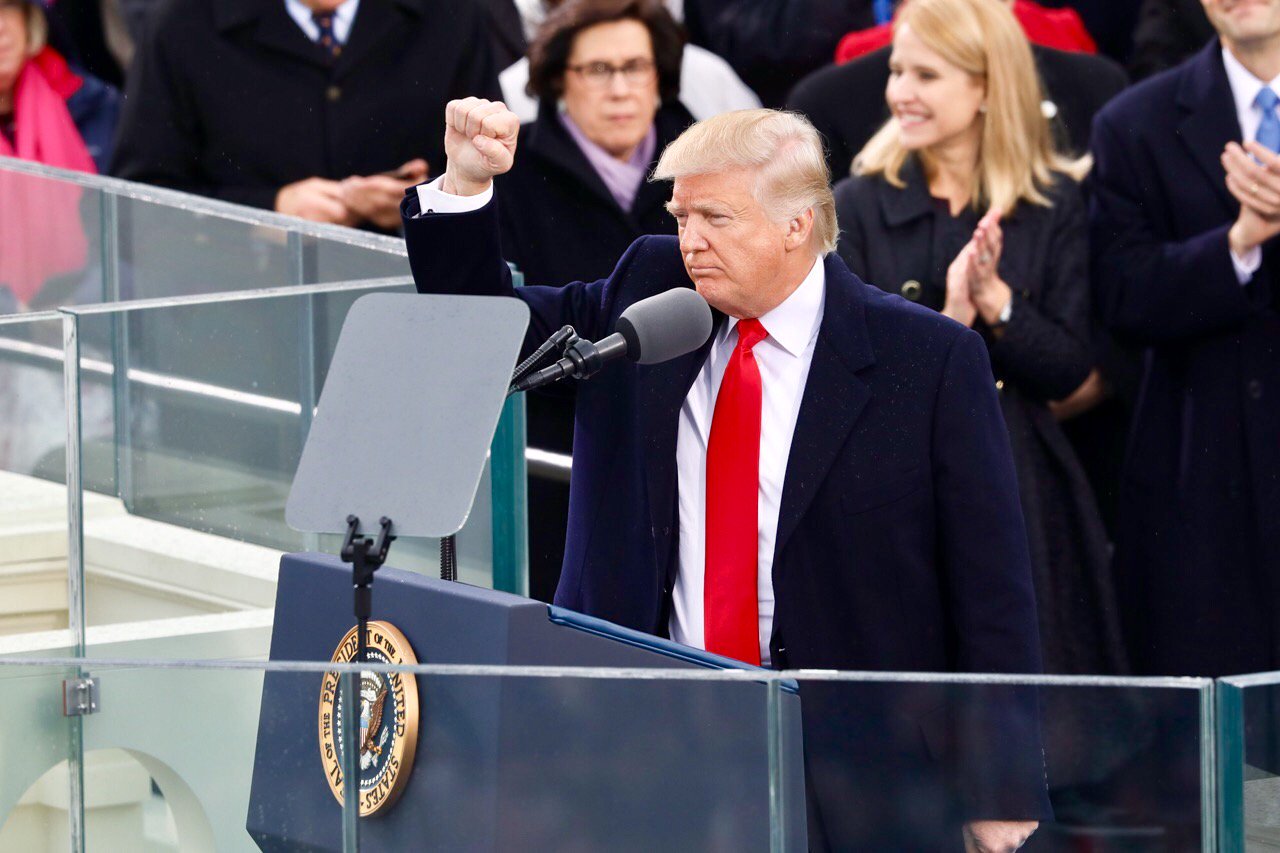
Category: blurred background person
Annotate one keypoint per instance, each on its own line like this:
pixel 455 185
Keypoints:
pixel 323 109
pixel 606 74
pixel 961 202
pixel 1076 85
pixel 708 85
pixel 50 114
pixel 1167 33
pixel 1185 212
pixel 771 44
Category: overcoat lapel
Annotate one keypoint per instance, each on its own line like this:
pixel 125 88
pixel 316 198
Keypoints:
pixel 1210 120
pixel 834 397
pixel 376 22
pixel 268 25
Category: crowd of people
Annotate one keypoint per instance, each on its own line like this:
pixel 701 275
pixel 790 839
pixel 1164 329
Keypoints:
pixel 1093 188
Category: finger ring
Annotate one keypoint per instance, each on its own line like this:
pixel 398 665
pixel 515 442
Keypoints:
pixel 984 258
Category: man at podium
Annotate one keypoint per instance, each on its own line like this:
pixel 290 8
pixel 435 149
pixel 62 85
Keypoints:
pixel 826 483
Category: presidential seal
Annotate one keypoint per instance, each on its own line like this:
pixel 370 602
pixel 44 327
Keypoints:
pixel 388 730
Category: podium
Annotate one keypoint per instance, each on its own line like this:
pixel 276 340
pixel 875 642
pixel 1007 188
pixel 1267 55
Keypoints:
pixel 524 763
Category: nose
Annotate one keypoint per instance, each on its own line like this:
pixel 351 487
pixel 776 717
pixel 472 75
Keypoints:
pixel 691 239
pixel 618 85
pixel 898 90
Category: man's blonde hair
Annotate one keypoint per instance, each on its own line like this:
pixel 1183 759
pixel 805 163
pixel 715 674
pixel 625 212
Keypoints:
pixel 786 149
pixel 1017 160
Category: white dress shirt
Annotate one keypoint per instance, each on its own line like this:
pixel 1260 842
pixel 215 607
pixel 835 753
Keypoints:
pixel 784 358
pixel 343 17
pixel 1244 88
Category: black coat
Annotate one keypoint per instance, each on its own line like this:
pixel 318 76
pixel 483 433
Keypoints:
pixel 1198 544
pixel 846 102
pixel 899 541
pixel 559 221
pixel 1168 33
pixel 230 99
pixel 903 241
pixel 773 44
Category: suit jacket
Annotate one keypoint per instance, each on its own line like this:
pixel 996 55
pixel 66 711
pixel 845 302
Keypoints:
pixel 846 102
pixel 1198 542
pixel 229 98
pixel 900 542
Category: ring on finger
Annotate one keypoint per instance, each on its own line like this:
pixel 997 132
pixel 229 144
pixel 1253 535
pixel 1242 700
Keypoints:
pixel 984 258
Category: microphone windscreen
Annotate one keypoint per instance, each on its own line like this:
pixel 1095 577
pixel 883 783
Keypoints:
pixel 665 326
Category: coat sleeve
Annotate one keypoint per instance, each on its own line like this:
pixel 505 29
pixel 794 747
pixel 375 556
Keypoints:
pixel 986 568
pixel 462 253
pixel 1148 289
pixel 1045 349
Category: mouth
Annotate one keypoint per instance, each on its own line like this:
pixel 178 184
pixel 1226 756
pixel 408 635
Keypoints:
pixel 908 120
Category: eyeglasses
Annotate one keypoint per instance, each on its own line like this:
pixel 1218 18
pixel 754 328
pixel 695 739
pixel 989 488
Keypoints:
pixel 598 75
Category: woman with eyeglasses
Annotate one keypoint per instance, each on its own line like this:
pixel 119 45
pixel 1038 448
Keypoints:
pixel 606 74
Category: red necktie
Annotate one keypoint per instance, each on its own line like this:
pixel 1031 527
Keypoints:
pixel 730 603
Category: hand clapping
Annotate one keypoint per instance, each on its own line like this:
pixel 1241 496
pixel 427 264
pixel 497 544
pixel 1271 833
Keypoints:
pixel 1253 177
pixel 974 286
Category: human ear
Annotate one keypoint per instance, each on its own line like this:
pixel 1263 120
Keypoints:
pixel 799 228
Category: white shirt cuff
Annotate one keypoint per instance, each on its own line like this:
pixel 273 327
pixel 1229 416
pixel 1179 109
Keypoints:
pixel 1245 266
pixel 432 199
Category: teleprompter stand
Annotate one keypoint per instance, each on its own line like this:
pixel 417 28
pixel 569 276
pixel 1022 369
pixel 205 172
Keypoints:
pixel 403 426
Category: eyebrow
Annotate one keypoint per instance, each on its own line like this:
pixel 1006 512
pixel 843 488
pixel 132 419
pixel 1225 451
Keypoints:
pixel 707 209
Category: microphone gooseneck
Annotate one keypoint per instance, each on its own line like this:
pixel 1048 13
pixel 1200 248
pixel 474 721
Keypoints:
pixel 650 331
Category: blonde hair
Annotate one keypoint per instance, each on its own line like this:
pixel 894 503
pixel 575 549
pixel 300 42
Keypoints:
pixel 786 149
pixel 37 28
pixel 1017 159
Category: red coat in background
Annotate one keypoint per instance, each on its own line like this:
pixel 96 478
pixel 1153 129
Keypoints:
pixel 1061 29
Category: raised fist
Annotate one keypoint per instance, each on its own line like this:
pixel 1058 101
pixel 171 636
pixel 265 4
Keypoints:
pixel 480 142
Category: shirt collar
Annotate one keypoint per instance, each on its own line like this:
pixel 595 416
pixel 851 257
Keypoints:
pixel 793 323
pixel 343 16
pixel 1244 85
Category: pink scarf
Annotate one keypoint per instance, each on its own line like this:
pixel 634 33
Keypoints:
pixel 41 233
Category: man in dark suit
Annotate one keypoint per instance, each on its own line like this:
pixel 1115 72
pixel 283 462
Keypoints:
pixel 1183 228
pixel 825 483
pixel 324 109
pixel 846 102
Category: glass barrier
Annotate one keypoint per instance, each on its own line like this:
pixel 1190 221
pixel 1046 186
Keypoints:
pixel 231 755
pixel 193 412
pixel 1249 762
pixel 68 238
pixel 34 738
pixel 33 494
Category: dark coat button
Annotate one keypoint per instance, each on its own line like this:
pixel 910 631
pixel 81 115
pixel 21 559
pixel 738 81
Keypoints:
pixel 911 290
pixel 333 93
pixel 1255 389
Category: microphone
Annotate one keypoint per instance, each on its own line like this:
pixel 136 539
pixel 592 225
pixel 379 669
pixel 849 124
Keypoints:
pixel 652 330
